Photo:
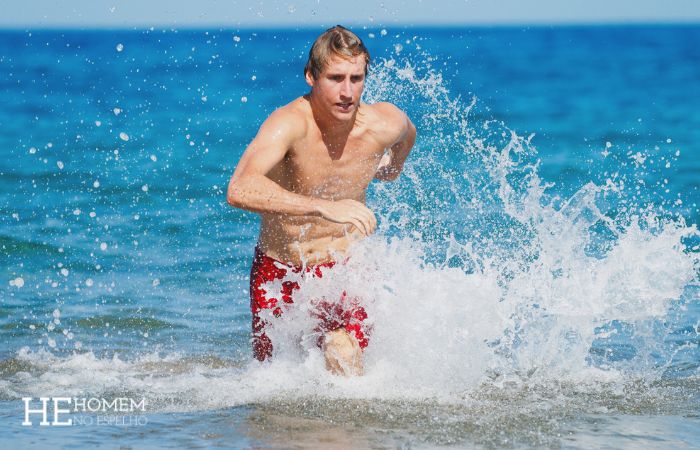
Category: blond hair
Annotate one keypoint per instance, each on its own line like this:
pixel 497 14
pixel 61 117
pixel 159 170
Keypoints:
pixel 336 41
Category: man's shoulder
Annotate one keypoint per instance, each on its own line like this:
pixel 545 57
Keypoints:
pixel 386 111
pixel 290 119
pixel 386 119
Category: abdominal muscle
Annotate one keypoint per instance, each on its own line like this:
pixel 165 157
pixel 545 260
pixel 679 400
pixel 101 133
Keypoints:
pixel 305 240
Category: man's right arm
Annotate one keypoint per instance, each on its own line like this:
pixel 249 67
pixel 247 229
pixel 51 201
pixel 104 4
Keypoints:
pixel 252 190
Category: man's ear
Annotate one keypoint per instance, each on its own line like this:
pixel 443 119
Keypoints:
pixel 309 78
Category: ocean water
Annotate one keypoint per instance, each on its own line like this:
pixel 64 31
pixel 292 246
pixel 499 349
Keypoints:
pixel 533 281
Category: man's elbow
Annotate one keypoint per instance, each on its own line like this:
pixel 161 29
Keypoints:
pixel 233 195
pixel 231 200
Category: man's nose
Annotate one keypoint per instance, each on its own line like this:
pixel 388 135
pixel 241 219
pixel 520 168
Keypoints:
pixel 346 88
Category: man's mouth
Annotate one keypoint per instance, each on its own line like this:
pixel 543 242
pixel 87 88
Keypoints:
pixel 345 106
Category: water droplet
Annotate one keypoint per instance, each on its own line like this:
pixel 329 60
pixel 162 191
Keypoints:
pixel 123 136
pixel 120 47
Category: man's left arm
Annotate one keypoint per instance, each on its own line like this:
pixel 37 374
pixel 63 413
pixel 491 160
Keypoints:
pixel 391 165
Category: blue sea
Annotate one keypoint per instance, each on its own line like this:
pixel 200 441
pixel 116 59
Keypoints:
pixel 533 281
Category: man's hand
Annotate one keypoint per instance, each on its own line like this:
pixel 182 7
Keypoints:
pixel 349 211
pixel 386 170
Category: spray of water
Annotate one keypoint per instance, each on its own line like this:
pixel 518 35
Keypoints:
pixel 479 274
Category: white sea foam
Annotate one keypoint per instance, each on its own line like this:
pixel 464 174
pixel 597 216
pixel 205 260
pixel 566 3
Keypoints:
pixel 438 332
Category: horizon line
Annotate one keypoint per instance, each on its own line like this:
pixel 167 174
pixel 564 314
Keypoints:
pixel 403 25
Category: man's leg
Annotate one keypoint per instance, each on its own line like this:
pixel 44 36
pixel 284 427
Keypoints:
pixel 343 353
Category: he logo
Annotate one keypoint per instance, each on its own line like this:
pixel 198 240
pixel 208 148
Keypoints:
pixel 44 411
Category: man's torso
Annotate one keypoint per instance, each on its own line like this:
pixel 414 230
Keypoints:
pixel 327 170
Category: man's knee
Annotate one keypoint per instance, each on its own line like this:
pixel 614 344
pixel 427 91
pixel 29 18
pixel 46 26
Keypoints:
pixel 342 341
pixel 343 353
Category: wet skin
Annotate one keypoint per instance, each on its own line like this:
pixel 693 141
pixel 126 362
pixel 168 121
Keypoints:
pixel 307 173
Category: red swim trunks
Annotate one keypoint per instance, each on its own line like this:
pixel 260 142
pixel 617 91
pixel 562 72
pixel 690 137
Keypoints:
pixel 343 313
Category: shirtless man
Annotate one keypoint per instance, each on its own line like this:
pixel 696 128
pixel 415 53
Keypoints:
pixel 306 173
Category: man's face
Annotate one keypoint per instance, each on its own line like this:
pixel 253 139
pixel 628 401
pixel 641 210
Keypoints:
pixel 339 87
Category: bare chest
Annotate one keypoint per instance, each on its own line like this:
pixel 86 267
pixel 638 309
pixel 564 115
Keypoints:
pixel 316 169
